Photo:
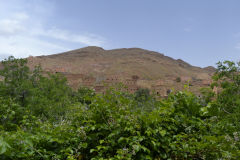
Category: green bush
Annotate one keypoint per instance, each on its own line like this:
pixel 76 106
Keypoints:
pixel 51 121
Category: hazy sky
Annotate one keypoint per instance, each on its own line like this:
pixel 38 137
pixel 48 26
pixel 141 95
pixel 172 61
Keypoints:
pixel 201 32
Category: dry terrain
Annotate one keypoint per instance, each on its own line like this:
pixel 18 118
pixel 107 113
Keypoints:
pixel 134 67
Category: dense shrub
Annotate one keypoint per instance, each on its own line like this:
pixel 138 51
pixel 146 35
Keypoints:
pixel 42 118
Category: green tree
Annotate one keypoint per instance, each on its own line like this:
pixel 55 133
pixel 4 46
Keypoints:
pixel 16 81
pixel 142 94
pixel 227 79
pixel 46 96
pixel 84 95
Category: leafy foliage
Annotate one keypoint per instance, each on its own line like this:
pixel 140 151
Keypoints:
pixel 42 118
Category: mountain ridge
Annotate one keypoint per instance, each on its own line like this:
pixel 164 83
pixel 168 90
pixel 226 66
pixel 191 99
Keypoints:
pixel 149 66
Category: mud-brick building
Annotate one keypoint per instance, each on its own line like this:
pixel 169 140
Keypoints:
pixel 135 77
pixel 186 79
pixel 206 82
pixel 112 79
pixel 60 70
pixel 130 82
pixel 73 76
pixel 48 70
pixel 132 88
pixel 159 89
pixel 88 81
pixel 99 88
pixel 169 82
pixel 159 83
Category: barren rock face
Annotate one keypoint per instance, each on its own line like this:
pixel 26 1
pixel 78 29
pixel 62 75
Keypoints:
pixel 133 67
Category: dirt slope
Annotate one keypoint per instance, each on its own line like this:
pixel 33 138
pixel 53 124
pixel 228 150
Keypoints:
pixel 92 66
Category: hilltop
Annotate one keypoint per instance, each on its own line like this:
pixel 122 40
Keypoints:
pixel 135 67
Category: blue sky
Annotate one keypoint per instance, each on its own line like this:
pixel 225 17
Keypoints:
pixel 200 32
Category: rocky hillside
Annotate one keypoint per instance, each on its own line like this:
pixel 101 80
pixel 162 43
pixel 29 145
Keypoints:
pixel 135 67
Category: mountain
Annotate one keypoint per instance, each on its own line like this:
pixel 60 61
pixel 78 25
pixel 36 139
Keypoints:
pixel 136 68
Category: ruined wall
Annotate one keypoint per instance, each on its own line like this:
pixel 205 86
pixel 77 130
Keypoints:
pixel 206 82
pixel 88 81
pixel 112 79
pixel 99 88
pixel 130 82
pixel 132 88
pixel 159 90
pixel 101 82
pixel 169 82
pixel 185 78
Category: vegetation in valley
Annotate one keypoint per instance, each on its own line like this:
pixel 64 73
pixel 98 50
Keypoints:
pixel 41 117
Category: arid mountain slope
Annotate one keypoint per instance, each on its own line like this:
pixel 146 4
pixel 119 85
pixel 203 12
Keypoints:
pixel 93 66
